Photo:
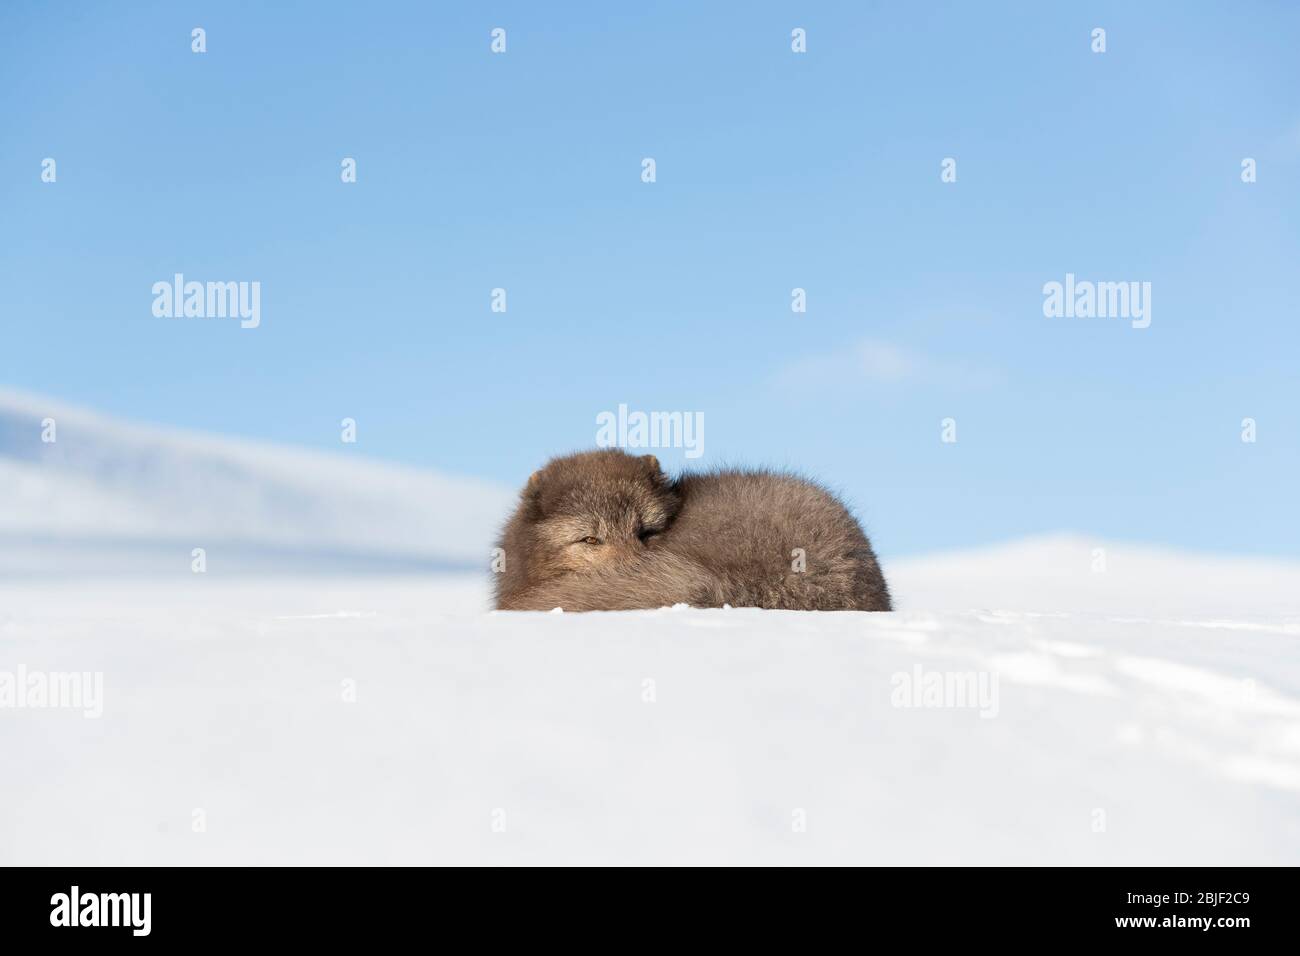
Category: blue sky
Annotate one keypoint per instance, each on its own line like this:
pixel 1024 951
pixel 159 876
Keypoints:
pixel 775 170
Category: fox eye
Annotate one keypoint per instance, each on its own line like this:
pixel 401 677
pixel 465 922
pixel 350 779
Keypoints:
pixel 591 539
pixel 645 534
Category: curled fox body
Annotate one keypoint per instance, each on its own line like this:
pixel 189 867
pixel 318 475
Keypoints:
pixel 605 530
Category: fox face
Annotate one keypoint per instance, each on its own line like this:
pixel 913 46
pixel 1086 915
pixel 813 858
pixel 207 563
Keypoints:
pixel 593 509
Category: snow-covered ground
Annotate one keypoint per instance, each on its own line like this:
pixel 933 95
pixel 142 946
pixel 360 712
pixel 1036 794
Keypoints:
pixel 1055 700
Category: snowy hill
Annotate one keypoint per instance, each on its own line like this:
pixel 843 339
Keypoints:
pixel 1073 573
pixel 108 495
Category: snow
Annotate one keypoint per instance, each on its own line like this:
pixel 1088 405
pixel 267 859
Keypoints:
pixel 227 696
pixel 111 492
pixel 1100 703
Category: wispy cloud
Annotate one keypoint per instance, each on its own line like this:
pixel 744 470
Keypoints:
pixel 882 364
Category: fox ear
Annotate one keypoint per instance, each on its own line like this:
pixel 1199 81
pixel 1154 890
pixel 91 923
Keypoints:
pixel 531 497
pixel 656 473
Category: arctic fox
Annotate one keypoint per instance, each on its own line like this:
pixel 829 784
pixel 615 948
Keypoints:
pixel 607 531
